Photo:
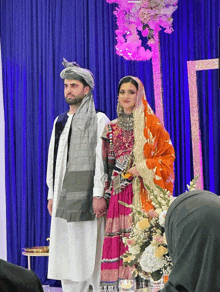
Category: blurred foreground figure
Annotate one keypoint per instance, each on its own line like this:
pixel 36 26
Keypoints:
pixel 18 279
pixel 193 238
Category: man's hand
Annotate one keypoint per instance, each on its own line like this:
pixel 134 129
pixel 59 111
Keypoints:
pixel 50 206
pixel 133 170
pixel 99 206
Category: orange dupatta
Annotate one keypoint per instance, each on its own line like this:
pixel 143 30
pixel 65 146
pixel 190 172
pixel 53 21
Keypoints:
pixel 153 150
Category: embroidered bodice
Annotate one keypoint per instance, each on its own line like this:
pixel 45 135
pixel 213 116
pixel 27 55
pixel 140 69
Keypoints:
pixel 123 141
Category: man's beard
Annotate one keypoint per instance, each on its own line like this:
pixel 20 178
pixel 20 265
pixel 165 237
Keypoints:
pixel 74 101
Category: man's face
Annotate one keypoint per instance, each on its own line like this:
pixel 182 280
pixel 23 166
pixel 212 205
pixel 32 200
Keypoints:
pixel 74 91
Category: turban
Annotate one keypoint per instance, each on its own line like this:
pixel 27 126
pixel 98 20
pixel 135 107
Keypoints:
pixel 73 70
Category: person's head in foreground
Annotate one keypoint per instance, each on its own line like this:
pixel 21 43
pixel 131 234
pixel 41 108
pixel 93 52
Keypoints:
pixel 14 278
pixel 192 230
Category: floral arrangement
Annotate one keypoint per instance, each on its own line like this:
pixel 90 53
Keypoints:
pixel 144 17
pixel 147 247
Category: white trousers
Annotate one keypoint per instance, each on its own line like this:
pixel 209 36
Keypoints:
pixel 70 286
pixel 94 280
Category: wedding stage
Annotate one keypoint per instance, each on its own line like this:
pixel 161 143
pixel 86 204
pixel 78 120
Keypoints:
pixel 171 46
pixel 51 289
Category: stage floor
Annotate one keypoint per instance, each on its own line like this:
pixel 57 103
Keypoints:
pixel 54 289
pixel 51 289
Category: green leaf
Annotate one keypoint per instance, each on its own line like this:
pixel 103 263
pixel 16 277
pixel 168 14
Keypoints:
pixel 125 255
pixel 134 274
pixel 139 213
pixel 139 268
pixel 145 26
pixel 132 263
pixel 128 254
pixel 157 275
pixel 161 189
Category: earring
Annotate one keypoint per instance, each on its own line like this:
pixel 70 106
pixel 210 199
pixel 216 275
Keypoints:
pixel 120 110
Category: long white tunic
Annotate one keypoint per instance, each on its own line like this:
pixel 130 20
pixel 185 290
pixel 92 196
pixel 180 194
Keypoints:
pixel 73 245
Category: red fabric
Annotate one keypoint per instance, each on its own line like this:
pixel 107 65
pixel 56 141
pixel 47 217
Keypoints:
pixel 118 225
pixel 119 220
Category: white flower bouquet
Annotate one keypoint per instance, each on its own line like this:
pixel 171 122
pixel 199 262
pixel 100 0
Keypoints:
pixel 147 247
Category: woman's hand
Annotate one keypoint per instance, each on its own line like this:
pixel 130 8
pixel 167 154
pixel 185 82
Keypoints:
pixel 133 170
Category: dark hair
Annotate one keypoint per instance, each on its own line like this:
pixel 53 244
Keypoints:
pixel 82 80
pixel 127 79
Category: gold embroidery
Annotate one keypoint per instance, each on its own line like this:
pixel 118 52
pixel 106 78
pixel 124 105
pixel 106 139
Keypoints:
pixel 140 162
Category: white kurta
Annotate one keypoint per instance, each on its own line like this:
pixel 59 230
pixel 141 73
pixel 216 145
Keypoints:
pixel 73 245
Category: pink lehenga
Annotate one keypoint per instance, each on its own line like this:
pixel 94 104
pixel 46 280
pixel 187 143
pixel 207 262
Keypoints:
pixel 117 153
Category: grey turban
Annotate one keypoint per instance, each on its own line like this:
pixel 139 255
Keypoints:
pixel 72 69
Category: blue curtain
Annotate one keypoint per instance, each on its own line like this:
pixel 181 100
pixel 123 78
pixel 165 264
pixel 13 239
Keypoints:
pixel 195 37
pixel 35 36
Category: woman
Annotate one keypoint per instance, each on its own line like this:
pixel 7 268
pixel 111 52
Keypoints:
pixel 193 238
pixel 136 150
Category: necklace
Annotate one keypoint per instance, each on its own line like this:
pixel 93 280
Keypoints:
pixel 126 121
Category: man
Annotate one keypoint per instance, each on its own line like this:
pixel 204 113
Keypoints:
pixel 75 178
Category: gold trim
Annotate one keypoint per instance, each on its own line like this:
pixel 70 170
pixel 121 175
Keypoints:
pixel 139 159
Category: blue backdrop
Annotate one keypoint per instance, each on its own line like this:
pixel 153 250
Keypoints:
pixel 35 36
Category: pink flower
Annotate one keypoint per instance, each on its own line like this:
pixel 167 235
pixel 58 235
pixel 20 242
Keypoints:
pixel 152 213
pixel 133 29
pixel 140 26
pixel 145 32
pixel 119 32
pixel 130 20
pixel 168 10
pixel 157 27
pixel 151 41
pixel 131 241
pixel 169 30
pixel 159 239
pixel 144 15
pixel 126 5
pixel 141 53
pixel 132 47
pixel 148 54
pixel 120 39
pixel 152 24
pixel 171 2
pixel 163 18
pixel 146 3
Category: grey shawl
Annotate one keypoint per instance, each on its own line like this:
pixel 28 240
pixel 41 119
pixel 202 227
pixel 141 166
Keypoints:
pixel 192 231
pixel 75 201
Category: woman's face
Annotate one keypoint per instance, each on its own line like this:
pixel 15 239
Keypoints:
pixel 127 97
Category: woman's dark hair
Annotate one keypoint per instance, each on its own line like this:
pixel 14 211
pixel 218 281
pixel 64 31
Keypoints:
pixel 127 80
